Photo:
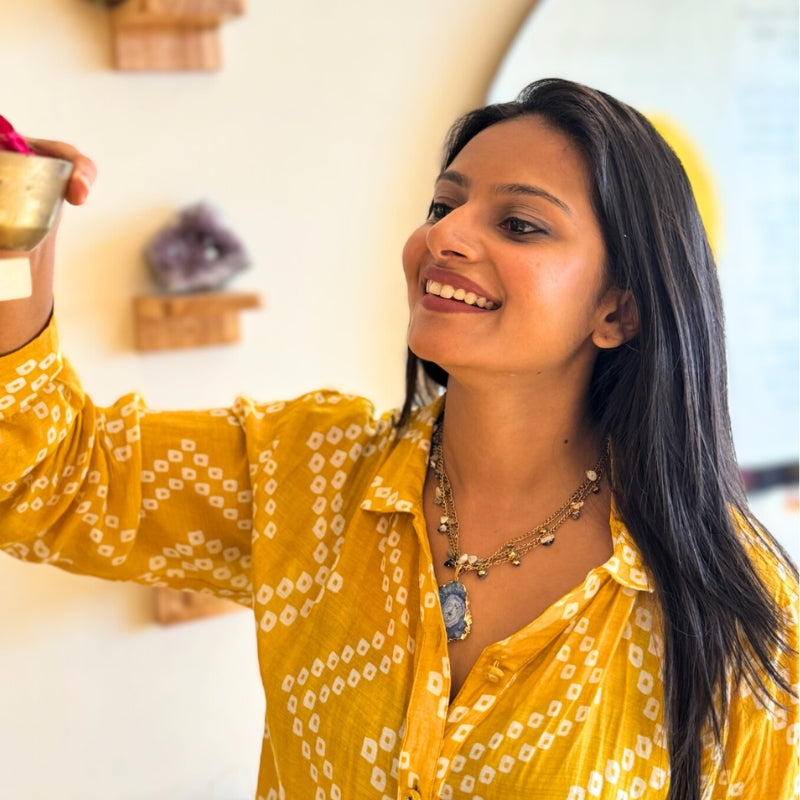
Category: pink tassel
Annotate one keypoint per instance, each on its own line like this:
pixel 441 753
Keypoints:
pixel 11 140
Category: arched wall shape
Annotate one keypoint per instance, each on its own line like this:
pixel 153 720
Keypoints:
pixel 720 81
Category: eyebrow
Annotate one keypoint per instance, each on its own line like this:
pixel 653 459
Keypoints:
pixel 527 189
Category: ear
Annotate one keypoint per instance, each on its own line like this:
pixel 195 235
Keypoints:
pixel 617 319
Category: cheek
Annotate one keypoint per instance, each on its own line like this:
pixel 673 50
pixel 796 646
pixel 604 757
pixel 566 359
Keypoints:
pixel 415 249
pixel 575 279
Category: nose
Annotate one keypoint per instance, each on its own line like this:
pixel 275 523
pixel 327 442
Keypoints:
pixel 454 236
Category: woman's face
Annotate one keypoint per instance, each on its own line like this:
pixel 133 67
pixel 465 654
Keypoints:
pixel 507 274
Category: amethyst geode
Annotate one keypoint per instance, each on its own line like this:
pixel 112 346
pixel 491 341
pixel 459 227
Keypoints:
pixel 195 253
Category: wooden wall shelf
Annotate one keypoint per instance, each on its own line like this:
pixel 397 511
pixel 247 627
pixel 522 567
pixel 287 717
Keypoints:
pixel 174 321
pixel 170 34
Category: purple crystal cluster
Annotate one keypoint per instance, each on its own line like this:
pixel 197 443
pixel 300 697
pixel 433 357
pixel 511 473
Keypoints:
pixel 195 253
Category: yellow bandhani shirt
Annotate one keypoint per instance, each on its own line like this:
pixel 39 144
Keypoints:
pixel 310 513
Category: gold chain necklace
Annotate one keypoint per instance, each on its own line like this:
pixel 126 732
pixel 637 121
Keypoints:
pixel 453 595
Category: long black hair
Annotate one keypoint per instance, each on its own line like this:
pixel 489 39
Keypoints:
pixel 662 400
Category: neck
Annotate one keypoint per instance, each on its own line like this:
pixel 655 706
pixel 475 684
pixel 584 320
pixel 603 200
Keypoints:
pixel 507 445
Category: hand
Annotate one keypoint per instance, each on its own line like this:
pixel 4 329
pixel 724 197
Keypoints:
pixel 24 312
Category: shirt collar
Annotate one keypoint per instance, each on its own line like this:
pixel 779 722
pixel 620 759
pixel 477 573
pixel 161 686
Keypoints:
pixel 626 565
pixel 397 487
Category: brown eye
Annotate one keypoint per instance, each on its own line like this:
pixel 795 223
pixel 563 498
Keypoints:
pixel 438 210
pixel 520 226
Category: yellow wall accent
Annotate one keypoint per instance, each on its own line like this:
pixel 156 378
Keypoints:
pixel 699 175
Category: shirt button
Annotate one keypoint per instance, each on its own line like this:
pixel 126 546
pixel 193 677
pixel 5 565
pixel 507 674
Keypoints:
pixel 413 794
pixel 495 673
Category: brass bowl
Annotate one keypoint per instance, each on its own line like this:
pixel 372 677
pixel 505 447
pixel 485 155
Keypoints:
pixel 31 191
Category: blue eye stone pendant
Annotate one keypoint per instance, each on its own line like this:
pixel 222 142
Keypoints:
pixel 455 610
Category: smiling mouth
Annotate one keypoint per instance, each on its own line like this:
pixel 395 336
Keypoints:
pixel 448 292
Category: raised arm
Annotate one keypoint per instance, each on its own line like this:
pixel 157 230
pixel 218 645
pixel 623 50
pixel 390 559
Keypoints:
pixel 21 320
pixel 123 492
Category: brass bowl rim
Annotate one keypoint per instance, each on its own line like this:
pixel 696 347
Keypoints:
pixel 13 155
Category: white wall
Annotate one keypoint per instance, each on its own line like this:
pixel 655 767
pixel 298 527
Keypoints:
pixel 318 143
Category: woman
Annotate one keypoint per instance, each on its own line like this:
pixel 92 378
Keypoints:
pixel 545 581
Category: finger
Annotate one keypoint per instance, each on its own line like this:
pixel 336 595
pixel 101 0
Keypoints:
pixel 80 182
pixel 84 169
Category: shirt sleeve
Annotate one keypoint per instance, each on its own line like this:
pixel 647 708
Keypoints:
pixel 124 492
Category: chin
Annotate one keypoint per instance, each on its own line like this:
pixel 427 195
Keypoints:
pixel 423 345
pixel 435 340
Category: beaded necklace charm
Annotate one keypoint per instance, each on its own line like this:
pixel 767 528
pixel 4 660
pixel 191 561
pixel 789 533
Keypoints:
pixel 453 595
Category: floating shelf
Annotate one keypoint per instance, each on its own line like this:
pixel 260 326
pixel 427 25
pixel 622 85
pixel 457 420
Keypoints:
pixel 170 34
pixel 201 319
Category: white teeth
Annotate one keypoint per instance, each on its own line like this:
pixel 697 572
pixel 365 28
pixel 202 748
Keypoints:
pixel 448 292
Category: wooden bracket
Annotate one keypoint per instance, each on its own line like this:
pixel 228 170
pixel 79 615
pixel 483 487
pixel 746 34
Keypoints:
pixel 173 605
pixel 170 34
pixel 173 321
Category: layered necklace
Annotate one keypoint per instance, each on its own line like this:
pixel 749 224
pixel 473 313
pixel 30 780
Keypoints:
pixel 453 595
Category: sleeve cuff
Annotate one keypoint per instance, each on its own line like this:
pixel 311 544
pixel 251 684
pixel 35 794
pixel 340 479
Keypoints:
pixel 26 371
